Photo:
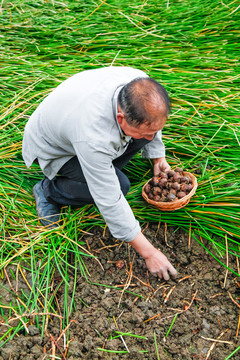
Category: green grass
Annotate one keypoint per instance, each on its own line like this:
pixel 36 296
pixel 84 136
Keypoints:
pixel 191 48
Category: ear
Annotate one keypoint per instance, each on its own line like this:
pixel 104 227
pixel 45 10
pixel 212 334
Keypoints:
pixel 120 117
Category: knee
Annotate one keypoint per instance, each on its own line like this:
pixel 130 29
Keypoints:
pixel 125 186
pixel 123 180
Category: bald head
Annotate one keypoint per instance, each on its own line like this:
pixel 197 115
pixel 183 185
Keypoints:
pixel 144 100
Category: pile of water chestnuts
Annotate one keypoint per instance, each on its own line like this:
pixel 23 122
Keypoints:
pixel 168 186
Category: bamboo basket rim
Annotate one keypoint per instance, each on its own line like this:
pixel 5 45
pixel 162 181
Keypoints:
pixel 176 204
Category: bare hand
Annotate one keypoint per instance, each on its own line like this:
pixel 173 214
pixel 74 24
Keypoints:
pixel 159 265
pixel 160 164
pixel 156 262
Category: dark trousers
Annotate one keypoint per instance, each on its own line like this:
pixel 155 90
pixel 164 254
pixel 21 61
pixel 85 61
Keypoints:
pixel 69 187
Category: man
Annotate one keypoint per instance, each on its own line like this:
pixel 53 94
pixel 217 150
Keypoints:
pixel 83 134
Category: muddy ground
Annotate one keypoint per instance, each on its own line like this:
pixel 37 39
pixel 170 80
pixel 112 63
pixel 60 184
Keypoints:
pixel 205 300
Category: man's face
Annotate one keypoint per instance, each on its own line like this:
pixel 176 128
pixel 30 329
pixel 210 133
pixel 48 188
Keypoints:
pixel 146 131
pixel 142 131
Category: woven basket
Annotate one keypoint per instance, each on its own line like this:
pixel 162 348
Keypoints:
pixel 176 204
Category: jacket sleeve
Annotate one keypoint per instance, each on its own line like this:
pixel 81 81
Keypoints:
pixel 105 189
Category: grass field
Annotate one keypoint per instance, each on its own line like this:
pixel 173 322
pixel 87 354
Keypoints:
pixel 190 47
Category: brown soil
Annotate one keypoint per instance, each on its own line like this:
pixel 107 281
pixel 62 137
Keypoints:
pixel 206 303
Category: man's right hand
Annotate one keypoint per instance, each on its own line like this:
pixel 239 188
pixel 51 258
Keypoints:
pixel 156 261
pixel 159 265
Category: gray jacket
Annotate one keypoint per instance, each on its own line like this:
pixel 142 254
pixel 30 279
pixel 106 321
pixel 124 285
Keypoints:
pixel 79 118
